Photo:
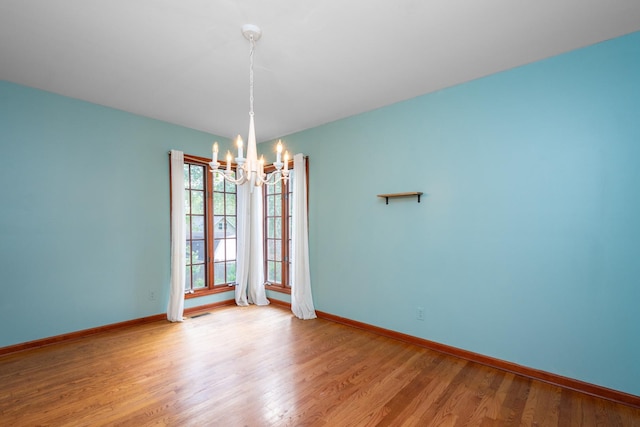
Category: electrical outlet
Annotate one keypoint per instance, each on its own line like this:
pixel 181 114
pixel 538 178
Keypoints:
pixel 420 313
pixel 152 295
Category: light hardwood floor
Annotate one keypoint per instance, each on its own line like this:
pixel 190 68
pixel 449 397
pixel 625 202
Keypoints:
pixel 259 366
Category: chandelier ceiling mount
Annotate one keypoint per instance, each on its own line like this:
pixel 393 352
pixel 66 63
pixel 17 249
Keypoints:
pixel 251 31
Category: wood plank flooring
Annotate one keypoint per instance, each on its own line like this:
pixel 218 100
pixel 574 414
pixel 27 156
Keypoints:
pixel 259 366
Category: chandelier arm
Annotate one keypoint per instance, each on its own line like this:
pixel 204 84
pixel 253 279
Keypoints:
pixel 239 181
pixel 275 177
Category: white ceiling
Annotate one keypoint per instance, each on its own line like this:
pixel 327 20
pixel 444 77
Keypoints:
pixel 186 61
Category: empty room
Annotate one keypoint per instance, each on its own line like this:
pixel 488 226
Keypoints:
pixel 356 213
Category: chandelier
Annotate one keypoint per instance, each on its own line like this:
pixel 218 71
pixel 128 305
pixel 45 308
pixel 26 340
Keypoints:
pixel 250 169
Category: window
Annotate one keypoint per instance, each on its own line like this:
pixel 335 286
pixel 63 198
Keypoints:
pixel 278 208
pixel 194 207
pixel 224 236
pixel 210 222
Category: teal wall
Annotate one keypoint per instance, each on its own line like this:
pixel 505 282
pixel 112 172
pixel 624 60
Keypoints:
pixel 84 213
pixel 525 246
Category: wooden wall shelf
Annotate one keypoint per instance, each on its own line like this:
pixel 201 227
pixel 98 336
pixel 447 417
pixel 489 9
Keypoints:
pixel 408 194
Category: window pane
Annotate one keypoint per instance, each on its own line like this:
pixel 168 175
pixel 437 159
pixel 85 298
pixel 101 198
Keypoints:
pixel 290 204
pixel 198 276
pixel 218 226
pixel 271 249
pixel 218 203
pixel 278 250
pixel 188 253
pixel 278 204
pixel 271 271
pixel 278 273
pixel 197 252
pixel 185 169
pixel 187 204
pixel 231 226
pixel 278 187
pixel 187 279
pixel 278 228
pixel 187 226
pixel 218 183
pixel 229 186
pixel 197 173
pixel 231 271
pixel 218 250
pixel 231 250
pixel 230 204
pixel 197 227
pixel 197 202
pixel 270 205
pixel 270 228
pixel 218 269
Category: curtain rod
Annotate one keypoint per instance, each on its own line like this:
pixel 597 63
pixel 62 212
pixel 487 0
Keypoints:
pixel 306 157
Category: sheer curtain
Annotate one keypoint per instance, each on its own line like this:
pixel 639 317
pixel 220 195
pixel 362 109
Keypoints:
pixel 243 248
pixel 256 291
pixel 301 298
pixel 250 269
pixel 175 309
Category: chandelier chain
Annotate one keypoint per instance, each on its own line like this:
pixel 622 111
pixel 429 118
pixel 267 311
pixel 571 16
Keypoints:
pixel 251 49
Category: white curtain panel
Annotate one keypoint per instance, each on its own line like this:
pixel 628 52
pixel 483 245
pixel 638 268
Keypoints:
pixel 243 246
pixel 301 298
pixel 256 292
pixel 250 256
pixel 175 309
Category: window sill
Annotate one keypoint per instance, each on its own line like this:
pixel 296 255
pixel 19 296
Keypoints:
pixel 284 290
pixel 205 292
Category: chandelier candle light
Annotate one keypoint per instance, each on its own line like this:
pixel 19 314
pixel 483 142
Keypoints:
pixel 250 170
